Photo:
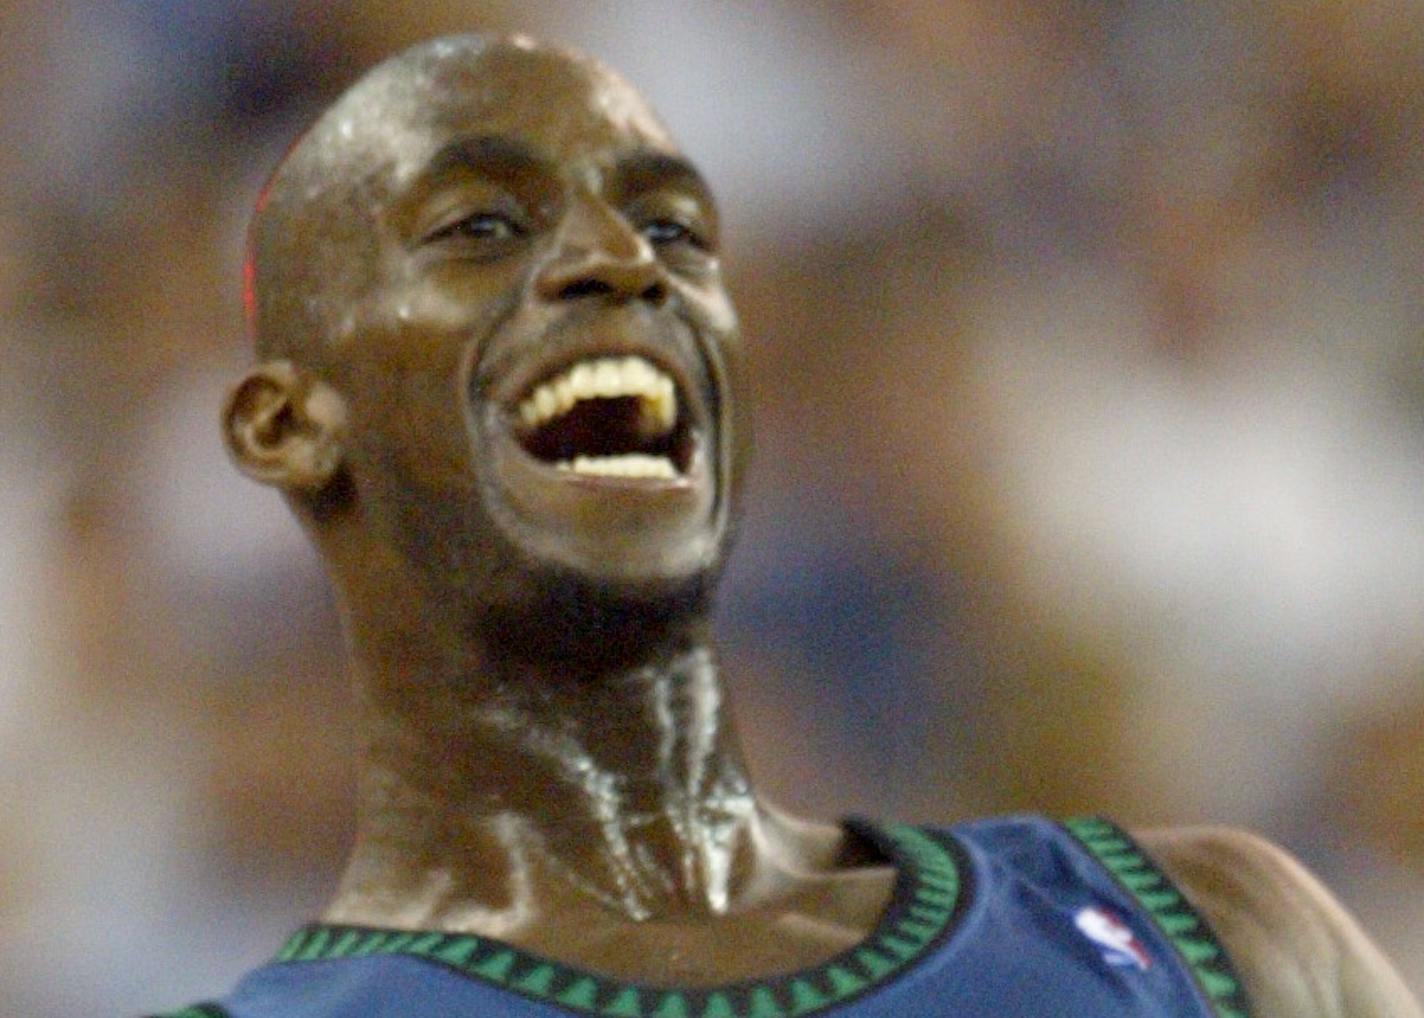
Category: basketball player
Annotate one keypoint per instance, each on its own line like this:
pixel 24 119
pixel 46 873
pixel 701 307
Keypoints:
pixel 498 385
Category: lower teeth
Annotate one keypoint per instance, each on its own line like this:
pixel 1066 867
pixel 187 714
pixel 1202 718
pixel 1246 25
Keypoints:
pixel 631 464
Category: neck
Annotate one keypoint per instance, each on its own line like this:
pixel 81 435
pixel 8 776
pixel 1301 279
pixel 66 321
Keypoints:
pixel 496 786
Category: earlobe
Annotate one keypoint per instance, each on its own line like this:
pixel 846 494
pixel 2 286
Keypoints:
pixel 285 428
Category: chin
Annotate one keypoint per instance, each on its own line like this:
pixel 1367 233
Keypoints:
pixel 570 615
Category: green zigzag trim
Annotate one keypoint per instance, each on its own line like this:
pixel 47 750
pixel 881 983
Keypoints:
pixel 196 1011
pixel 924 906
pixel 1168 909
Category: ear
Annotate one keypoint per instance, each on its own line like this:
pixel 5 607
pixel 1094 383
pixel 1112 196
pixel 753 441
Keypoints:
pixel 285 428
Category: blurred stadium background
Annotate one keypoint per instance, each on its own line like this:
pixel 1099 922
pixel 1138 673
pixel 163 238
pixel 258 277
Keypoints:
pixel 1088 348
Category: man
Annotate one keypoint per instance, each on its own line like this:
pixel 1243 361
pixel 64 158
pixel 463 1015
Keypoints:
pixel 498 386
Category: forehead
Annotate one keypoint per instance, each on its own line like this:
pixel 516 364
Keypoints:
pixel 565 107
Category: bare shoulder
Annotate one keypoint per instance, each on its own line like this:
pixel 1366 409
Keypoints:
pixel 1299 953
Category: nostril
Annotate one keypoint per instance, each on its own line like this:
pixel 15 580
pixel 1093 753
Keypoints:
pixel 653 293
pixel 585 288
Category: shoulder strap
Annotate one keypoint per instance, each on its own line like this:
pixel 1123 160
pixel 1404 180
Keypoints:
pixel 1168 909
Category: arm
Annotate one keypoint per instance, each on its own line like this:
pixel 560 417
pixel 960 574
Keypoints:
pixel 1299 953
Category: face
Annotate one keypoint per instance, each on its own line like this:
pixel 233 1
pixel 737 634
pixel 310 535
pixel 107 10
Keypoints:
pixel 528 326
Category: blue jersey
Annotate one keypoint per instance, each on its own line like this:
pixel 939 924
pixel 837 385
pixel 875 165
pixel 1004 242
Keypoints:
pixel 1015 916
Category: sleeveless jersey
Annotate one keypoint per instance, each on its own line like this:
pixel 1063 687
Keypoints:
pixel 1015 916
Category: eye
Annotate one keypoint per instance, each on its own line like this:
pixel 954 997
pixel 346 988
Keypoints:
pixel 670 231
pixel 479 226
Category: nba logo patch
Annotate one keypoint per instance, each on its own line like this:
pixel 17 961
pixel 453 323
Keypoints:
pixel 1119 946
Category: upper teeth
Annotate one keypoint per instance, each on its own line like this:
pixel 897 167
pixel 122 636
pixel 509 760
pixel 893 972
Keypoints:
pixel 606 378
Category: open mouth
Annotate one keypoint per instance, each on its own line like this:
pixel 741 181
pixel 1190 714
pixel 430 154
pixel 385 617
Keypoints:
pixel 608 417
pixel 605 444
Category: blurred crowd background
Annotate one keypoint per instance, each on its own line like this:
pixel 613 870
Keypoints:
pixel 1088 347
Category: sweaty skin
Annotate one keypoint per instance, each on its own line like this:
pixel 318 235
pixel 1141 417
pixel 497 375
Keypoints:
pixel 1295 948
pixel 498 386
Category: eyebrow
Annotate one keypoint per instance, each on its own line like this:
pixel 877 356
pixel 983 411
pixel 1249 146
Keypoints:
pixel 645 170
pixel 493 156
pixel 502 158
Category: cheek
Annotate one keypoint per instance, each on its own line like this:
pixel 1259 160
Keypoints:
pixel 403 367
pixel 458 292
pixel 413 469
pixel 407 411
pixel 707 300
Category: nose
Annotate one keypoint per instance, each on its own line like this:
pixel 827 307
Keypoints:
pixel 600 253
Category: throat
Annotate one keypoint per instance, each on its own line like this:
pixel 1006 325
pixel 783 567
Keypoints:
pixel 496 802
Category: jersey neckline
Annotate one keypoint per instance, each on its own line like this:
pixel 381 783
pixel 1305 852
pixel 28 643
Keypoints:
pixel 930 894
